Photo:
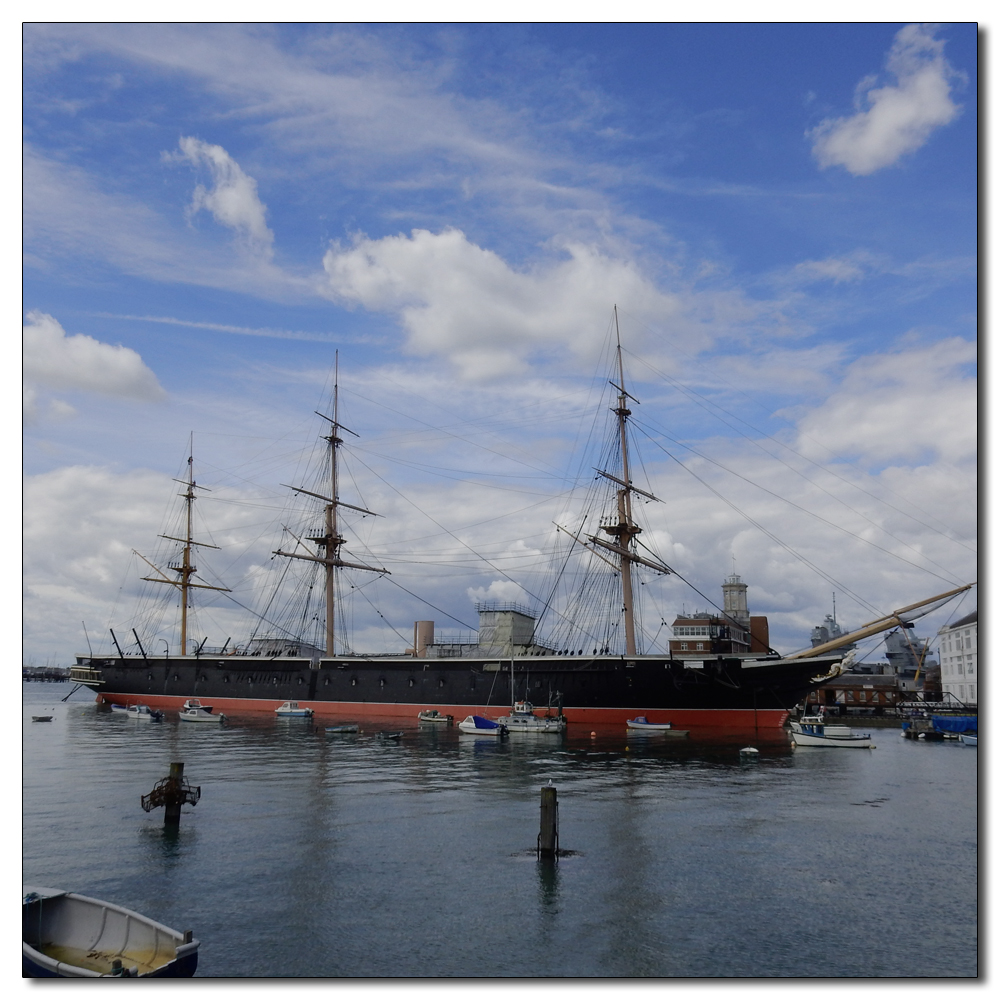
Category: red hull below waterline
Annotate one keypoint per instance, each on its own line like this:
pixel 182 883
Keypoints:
pixel 681 718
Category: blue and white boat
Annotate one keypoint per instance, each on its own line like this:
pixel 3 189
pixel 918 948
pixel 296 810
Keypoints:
pixel 481 726
pixel 68 936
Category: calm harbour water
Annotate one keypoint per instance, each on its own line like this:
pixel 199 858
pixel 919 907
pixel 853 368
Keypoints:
pixel 313 854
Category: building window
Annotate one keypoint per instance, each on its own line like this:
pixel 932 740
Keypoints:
pixel 699 645
pixel 684 645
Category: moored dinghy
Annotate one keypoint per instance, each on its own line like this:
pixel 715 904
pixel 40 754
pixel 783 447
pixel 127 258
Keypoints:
pixel 432 715
pixel 640 724
pixel 68 936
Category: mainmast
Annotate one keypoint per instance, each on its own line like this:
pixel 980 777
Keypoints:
pixel 184 568
pixel 624 530
pixel 330 541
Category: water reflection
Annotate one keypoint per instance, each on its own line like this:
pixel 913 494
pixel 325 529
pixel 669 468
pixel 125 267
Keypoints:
pixel 339 854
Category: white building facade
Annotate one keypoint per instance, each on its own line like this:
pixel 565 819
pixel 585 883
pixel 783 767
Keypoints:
pixel 959 655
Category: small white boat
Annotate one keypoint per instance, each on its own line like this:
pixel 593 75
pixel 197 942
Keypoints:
pixel 121 709
pixel 970 739
pixel 195 703
pixel 291 710
pixel 69 936
pixel 144 713
pixel 522 719
pixel 482 727
pixel 351 727
pixel 195 712
pixel 640 724
pixel 815 731
pixel 434 716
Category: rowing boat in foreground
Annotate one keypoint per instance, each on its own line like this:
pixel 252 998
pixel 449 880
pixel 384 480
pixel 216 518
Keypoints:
pixel 68 936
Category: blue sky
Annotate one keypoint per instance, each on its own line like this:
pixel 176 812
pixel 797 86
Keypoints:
pixel 785 216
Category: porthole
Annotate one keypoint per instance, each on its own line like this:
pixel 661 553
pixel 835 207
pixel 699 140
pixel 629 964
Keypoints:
pixel 176 678
pixel 411 681
pixel 440 682
pixel 225 680
pixel 301 681
pixel 326 680
pixel 354 681
pixel 381 682
pixel 274 680
pixel 149 677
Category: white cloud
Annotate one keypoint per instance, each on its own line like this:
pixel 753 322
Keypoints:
pixel 233 199
pixel 895 119
pixel 57 361
pixel 902 406
pixel 68 217
pixel 459 300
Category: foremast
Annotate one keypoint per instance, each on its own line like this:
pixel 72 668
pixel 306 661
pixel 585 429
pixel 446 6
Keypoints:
pixel 330 541
pixel 185 568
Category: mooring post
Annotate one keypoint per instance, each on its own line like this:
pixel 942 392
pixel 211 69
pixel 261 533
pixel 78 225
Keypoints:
pixel 171 792
pixel 548 832
pixel 172 810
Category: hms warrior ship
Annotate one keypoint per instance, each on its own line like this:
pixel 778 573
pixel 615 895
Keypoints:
pixel 718 672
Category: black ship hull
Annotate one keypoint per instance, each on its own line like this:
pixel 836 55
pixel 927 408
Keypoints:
pixel 718 693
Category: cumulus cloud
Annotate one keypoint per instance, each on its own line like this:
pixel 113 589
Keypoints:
pixel 54 360
pixel 233 199
pixel 906 406
pixel 895 119
pixel 457 299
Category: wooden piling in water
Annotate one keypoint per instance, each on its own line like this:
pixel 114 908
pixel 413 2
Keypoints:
pixel 172 807
pixel 548 832
pixel 171 792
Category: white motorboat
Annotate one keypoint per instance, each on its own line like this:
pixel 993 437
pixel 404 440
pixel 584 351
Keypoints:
pixel 815 731
pixel 121 709
pixel 640 724
pixel 481 726
pixel 195 712
pixel 144 713
pixel 522 719
pixel 292 710
pixel 433 716
pixel 68 936
pixel 347 727
pixel 970 739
